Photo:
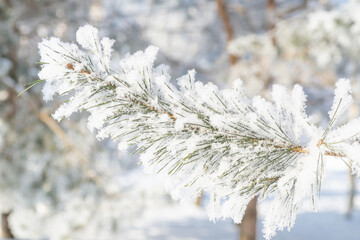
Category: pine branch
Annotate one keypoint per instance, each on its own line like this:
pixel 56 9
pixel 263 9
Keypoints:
pixel 198 137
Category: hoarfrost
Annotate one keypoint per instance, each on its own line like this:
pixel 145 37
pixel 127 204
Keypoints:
pixel 200 137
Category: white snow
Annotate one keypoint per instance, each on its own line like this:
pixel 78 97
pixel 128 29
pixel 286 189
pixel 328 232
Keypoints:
pixel 189 222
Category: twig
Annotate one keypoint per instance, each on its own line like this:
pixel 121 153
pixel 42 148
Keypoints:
pixel 53 126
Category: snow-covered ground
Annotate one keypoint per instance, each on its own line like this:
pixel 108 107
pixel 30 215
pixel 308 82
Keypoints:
pixel 189 222
pixel 180 223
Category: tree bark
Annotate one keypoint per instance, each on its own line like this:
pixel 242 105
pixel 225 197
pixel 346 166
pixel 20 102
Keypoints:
pixel 5 227
pixel 351 196
pixel 224 15
pixel 270 14
pixel 248 223
pixel 198 200
pixel 353 113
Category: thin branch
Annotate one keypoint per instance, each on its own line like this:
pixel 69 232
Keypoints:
pixel 61 133
pixel 53 126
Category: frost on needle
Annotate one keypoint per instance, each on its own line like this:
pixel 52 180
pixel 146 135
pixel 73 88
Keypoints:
pixel 200 137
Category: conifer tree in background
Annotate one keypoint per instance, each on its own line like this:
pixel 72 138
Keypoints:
pixel 201 138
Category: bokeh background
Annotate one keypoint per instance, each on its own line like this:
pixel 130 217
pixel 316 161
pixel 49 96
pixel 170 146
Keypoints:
pixel 58 182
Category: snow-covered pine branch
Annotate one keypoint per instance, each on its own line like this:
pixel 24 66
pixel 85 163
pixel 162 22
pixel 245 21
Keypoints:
pixel 201 138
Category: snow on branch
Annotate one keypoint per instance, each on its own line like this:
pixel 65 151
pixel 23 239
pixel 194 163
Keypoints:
pixel 199 137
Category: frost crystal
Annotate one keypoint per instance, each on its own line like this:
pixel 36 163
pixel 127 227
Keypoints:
pixel 201 138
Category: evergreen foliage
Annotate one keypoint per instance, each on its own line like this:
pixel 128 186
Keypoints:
pixel 200 137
